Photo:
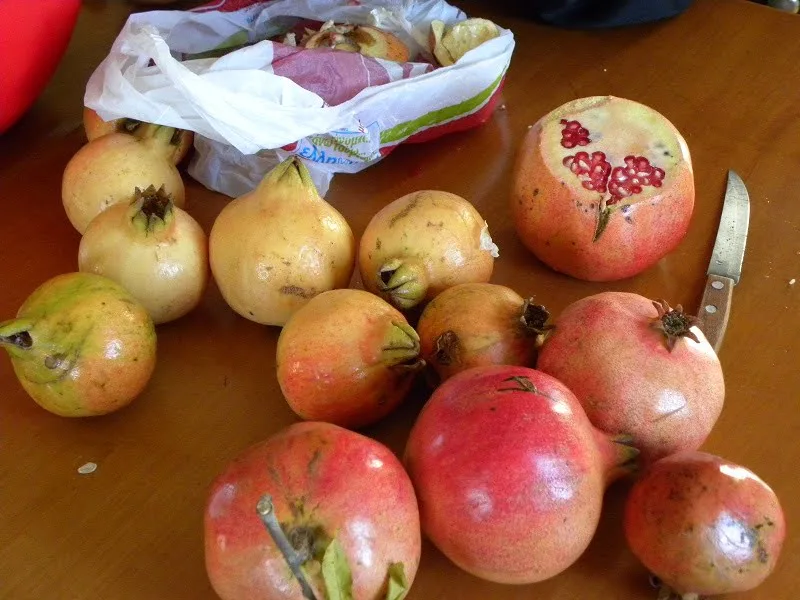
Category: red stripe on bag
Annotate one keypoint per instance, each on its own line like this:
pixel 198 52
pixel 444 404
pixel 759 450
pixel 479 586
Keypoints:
pixel 225 5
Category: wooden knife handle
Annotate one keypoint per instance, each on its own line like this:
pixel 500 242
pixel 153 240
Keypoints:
pixel 715 308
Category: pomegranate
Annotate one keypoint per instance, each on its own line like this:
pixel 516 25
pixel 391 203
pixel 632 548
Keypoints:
pixel 153 248
pixel 81 345
pixel 603 188
pixel 365 39
pixel 95 127
pixel 422 243
pixel 475 324
pixel 638 367
pixel 510 474
pixel 340 519
pixel 274 248
pixel 346 357
pixel 704 525
pixel 108 169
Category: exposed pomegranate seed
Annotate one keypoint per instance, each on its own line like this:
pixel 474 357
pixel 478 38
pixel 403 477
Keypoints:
pixel 573 134
pixel 628 180
pixel 593 171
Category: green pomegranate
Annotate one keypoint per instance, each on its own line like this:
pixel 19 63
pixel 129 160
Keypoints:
pixel 81 345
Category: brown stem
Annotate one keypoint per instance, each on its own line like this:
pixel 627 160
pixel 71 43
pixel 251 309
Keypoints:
pixel 266 511
pixel 534 318
pixel 447 348
pixel 674 323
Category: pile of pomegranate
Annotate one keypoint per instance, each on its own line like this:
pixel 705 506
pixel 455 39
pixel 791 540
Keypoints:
pixel 532 416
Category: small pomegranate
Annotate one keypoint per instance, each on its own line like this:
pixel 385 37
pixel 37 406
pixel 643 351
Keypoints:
pixel 156 250
pixel 603 188
pixel 314 511
pixel 476 324
pixel 704 525
pixel 81 345
pixel 95 127
pixel 364 39
pixel 108 169
pixel 510 474
pixel 638 367
pixel 346 357
pixel 422 243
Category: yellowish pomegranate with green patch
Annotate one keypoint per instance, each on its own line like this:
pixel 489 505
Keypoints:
pixel 81 345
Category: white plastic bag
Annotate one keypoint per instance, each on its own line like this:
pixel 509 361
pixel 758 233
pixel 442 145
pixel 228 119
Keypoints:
pixel 255 105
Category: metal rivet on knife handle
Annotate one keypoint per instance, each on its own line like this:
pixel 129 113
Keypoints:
pixel 717 285
pixel 710 308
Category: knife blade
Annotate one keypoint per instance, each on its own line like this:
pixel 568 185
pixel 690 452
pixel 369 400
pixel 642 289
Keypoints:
pixel 725 268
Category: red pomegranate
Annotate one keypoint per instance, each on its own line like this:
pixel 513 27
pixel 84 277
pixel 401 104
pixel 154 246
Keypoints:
pixel 509 473
pixel 639 368
pixel 475 324
pixel 704 525
pixel 336 504
pixel 603 188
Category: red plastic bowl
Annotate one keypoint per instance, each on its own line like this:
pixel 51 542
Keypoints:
pixel 33 37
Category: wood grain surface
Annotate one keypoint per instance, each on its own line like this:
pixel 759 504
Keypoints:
pixel 725 73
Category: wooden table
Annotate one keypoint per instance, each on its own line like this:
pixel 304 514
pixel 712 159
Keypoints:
pixel 726 73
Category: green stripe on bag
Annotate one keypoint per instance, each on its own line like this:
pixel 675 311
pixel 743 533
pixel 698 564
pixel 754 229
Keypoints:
pixel 404 130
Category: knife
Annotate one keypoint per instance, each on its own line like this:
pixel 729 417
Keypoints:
pixel 725 267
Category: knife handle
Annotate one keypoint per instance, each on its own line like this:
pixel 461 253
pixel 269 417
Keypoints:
pixel 715 308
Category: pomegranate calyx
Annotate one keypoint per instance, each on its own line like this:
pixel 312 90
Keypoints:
pixel 290 174
pixel 667 593
pixel 401 347
pixel 129 125
pixel 266 511
pixel 405 283
pixel 447 348
pixel 152 208
pixel 674 323
pixel 534 318
pixel 15 334
pixel 163 138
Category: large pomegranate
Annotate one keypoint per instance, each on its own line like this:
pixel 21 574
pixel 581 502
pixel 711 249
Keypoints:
pixel 509 473
pixel 335 504
pixel 704 525
pixel 638 367
pixel 603 188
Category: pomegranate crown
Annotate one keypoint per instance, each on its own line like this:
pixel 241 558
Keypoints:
pixel 674 323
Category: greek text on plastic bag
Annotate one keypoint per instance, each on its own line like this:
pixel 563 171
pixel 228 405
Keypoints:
pixel 253 107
